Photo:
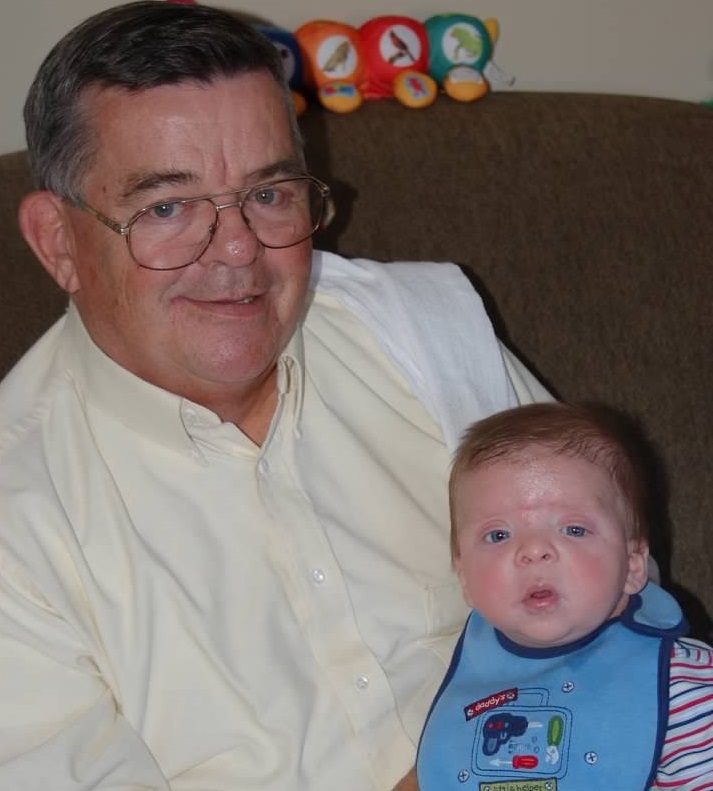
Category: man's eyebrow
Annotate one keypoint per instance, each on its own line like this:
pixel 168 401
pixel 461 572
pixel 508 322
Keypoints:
pixel 142 183
pixel 285 167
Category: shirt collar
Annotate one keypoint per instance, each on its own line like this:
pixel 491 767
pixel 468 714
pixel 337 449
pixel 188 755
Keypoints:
pixel 150 410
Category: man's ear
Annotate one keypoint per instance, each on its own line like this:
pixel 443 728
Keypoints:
pixel 43 221
pixel 638 566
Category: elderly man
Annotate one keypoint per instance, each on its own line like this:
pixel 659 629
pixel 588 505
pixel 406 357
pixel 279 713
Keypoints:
pixel 224 547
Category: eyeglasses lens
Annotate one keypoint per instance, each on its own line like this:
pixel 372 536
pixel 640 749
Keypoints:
pixel 175 234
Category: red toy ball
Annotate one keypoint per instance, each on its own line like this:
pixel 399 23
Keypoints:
pixel 391 45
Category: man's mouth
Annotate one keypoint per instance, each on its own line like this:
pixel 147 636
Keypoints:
pixel 243 307
pixel 227 300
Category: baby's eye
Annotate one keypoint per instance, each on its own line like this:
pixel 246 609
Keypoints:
pixel 577 531
pixel 496 536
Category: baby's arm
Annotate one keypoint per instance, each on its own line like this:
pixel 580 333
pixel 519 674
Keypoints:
pixel 687 758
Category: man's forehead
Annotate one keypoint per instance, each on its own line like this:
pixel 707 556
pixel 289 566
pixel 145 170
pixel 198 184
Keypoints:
pixel 181 134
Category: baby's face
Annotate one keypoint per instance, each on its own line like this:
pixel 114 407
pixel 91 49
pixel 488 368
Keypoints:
pixel 544 554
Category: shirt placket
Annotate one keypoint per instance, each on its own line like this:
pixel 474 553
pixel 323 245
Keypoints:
pixel 316 588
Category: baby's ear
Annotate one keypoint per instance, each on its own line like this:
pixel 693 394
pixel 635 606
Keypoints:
pixel 638 566
pixel 43 221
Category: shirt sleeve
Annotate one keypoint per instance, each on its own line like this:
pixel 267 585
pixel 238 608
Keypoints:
pixel 686 762
pixel 60 727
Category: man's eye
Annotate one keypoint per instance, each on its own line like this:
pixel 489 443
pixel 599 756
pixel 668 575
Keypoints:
pixel 164 211
pixel 266 196
pixel 577 531
pixel 496 536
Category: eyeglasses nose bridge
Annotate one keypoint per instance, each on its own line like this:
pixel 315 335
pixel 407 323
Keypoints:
pixel 240 203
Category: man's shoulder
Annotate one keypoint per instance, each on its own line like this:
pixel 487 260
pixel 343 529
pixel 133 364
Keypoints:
pixel 366 285
pixel 433 327
pixel 29 390
pixel 412 304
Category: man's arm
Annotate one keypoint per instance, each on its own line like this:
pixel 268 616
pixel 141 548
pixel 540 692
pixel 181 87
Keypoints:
pixel 60 728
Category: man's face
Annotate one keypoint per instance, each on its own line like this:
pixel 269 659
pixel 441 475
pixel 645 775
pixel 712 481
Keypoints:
pixel 215 328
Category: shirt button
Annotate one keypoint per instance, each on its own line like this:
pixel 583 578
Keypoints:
pixel 263 466
pixel 362 682
pixel 318 576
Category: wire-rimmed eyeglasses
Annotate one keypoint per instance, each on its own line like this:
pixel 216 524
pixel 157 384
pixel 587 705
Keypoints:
pixel 175 234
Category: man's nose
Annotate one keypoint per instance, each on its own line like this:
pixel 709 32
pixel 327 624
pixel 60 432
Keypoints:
pixel 234 243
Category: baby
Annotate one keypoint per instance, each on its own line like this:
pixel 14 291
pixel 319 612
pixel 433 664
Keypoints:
pixel 571 672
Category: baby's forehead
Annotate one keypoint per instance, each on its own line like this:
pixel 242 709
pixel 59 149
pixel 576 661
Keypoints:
pixel 542 479
pixel 540 457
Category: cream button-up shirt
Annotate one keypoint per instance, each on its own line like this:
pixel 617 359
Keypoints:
pixel 181 609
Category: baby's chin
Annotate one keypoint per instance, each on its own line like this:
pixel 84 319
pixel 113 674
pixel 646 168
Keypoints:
pixel 544 634
pixel 547 628
pixel 541 641
pixel 545 623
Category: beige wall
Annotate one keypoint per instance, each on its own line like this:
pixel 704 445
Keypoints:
pixel 649 47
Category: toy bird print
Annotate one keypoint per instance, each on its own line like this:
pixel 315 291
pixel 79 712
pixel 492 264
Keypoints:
pixel 338 58
pixel 468 43
pixel 402 49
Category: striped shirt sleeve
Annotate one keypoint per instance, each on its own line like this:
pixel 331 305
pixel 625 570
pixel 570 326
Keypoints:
pixel 686 762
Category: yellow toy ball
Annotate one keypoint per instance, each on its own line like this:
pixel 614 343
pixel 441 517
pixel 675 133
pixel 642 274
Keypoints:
pixel 414 89
pixel 464 84
pixel 340 97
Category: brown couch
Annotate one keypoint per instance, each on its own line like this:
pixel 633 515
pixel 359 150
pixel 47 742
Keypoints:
pixel 585 220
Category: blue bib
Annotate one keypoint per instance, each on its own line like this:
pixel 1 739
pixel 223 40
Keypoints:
pixel 588 716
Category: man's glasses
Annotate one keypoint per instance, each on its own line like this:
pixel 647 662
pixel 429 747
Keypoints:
pixel 175 234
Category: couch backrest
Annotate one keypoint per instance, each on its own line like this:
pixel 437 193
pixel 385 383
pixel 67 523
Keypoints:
pixel 586 222
pixel 29 300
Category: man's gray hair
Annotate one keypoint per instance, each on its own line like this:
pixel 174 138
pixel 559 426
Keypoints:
pixel 136 46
